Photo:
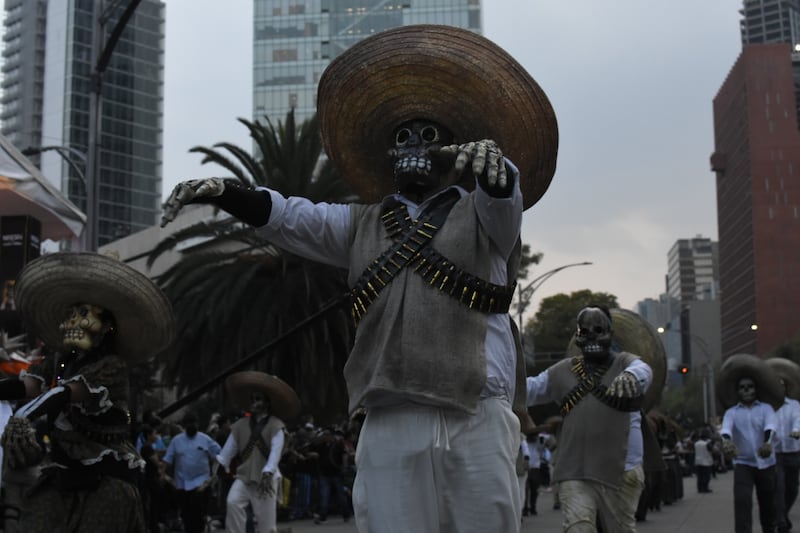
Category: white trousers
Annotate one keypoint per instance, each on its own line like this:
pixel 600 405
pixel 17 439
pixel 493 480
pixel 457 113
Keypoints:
pixel 264 513
pixel 431 470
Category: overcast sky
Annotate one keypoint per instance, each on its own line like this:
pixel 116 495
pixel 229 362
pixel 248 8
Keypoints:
pixel 631 82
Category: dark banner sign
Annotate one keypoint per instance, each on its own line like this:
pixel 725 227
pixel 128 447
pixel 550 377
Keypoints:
pixel 20 243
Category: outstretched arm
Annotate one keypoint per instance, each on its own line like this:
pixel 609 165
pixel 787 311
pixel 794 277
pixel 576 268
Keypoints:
pixel 251 206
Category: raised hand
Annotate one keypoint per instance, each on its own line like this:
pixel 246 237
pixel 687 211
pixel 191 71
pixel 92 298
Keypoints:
pixel 187 192
pixel 485 156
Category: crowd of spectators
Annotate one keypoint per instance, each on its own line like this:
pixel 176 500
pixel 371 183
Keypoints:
pixel 317 468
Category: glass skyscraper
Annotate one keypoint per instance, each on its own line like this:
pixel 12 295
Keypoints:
pixel 294 40
pixel 47 72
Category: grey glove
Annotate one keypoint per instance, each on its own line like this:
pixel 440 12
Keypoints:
pixel 624 386
pixel 266 487
pixel 188 192
pixel 484 155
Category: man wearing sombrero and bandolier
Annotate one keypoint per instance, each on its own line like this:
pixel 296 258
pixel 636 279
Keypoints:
pixel 99 315
pixel 255 445
pixel 415 118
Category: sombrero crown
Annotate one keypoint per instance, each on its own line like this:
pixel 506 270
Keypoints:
pixel 738 366
pixel 283 399
pixel 49 285
pixel 449 75
pixel 789 372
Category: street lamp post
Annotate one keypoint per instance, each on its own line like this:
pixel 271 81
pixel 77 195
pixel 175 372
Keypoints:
pixel 68 154
pixel 709 393
pixel 525 293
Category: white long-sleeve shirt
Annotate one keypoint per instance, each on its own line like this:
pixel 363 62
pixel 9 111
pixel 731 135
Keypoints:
pixel 745 425
pixel 788 422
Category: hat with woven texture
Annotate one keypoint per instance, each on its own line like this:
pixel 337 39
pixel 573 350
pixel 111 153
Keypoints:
pixel 48 286
pixel 448 75
pixel 283 400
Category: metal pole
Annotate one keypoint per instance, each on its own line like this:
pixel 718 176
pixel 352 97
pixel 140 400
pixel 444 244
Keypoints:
pixel 705 396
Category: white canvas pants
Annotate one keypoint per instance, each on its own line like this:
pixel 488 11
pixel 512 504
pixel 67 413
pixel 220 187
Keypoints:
pixel 432 470
pixel 264 512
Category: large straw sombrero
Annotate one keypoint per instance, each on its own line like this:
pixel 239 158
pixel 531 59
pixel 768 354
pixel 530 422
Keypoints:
pixel 789 372
pixel 49 285
pixel 284 402
pixel 449 75
pixel 738 366
pixel 635 335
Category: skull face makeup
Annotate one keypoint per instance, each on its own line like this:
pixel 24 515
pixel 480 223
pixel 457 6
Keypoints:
pixel 84 327
pixel 747 390
pixel 418 165
pixel 594 333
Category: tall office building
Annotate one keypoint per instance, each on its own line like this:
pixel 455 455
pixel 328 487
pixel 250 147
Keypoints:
pixel 757 164
pixel 692 270
pixel 770 21
pixel 47 68
pixel 294 40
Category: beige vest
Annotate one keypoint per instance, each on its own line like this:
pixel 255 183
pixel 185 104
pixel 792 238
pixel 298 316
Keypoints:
pixel 400 352
pixel 249 470
pixel 593 440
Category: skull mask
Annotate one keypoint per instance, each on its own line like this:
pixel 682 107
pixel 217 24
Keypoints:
pixel 85 327
pixel 418 166
pixel 746 388
pixel 593 336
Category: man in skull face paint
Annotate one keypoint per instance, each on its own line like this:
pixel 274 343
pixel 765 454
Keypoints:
pixel 431 263
pixel 98 314
pixel 600 393
pixel 748 431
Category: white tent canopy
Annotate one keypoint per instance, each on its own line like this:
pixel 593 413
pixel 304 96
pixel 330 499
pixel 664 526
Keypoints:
pixel 25 191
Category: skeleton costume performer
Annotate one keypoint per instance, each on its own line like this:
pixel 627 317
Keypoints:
pixel 415 118
pixel 600 393
pixel 99 315
pixel 750 391
pixel 255 444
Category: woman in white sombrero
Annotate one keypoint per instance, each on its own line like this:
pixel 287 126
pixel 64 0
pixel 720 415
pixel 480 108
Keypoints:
pixel 255 444
pixel 97 316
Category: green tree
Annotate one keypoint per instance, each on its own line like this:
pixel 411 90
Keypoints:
pixel 554 322
pixel 238 292
pixel 788 350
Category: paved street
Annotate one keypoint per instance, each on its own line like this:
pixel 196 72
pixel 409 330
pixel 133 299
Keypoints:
pixel 695 513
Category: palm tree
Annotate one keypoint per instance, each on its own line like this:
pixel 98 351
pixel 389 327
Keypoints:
pixel 241 293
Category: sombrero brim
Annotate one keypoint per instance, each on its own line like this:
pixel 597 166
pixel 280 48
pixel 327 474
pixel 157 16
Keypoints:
pixel 789 371
pixel 634 334
pixel 738 366
pixel 49 285
pixel 449 75
pixel 284 402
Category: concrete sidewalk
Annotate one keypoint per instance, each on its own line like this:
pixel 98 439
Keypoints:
pixel 694 513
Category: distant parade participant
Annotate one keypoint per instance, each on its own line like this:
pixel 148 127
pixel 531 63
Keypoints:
pixel 255 445
pixel 98 315
pixel 787 441
pixel 750 390
pixel 600 448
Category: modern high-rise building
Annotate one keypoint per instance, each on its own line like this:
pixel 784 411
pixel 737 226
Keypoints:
pixel 46 83
pixel 692 270
pixel 770 21
pixel 757 164
pixel 294 40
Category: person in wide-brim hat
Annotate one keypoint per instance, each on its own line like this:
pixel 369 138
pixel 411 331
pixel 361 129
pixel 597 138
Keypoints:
pixel 738 366
pixel 49 285
pixel 789 372
pixel 284 402
pixel 449 75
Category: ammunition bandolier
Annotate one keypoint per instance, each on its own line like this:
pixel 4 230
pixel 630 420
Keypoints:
pixel 410 250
